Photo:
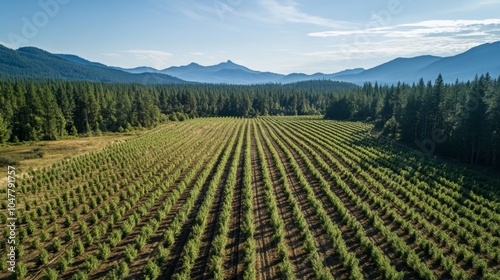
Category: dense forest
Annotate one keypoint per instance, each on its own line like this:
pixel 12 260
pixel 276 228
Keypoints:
pixel 49 110
pixel 460 120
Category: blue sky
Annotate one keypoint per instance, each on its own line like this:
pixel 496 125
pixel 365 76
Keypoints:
pixel 282 36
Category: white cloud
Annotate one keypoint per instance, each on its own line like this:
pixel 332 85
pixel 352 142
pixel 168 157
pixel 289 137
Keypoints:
pixel 445 28
pixel 111 54
pixel 436 37
pixel 391 48
pixel 277 12
pixel 289 12
pixel 460 22
pixel 197 53
pixel 157 59
pixel 190 13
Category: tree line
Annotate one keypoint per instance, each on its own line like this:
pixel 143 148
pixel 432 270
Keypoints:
pixel 460 120
pixel 51 109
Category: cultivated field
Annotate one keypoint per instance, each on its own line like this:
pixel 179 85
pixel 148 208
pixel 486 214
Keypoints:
pixel 265 198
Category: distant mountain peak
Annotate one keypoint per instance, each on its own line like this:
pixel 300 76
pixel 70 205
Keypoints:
pixel 228 63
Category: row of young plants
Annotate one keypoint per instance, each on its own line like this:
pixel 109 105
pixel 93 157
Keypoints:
pixel 45 235
pixel 170 193
pixel 476 243
pixel 122 222
pixel 349 259
pixel 451 196
pixel 457 183
pixel 480 192
pixel 218 252
pixel 248 225
pixel 279 236
pixel 396 242
pixel 63 174
pixel 383 263
pixel 365 163
pixel 192 247
pixel 299 220
pixel 65 201
pixel 109 161
pixel 195 194
pixel 152 269
pixel 432 249
pixel 105 207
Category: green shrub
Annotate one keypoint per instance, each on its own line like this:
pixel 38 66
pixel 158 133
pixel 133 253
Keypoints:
pixel 3 263
pixel 63 265
pixel 91 263
pixel 130 254
pixel 104 251
pixel 56 245
pixel 35 243
pixel 78 247
pixel 21 271
pixel 80 275
pixel 151 271
pixel 50 274
pixel 69 235
pixel 43 258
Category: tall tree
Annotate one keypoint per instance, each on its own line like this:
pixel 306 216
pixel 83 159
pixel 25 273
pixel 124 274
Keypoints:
pixel 493 115
pixel 5 131
pixel 32 112
pixel 53 120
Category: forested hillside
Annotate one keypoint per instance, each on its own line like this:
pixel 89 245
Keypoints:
pixel 34 110
pixel 460 120
pixel 30 62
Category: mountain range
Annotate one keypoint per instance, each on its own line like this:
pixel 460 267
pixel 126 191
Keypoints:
pixel 33 62
pixel 36 63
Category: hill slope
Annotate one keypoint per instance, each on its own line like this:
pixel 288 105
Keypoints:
pixel 464 66
pixel 34 62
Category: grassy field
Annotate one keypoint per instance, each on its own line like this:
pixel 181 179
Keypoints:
pixel 265 198
pixel 32 156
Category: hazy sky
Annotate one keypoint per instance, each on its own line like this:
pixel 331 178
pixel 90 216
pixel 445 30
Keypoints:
pixel 282 36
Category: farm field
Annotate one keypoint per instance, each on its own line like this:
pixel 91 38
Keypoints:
pixel 263 198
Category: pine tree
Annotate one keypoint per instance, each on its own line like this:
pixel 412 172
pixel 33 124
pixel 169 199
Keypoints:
pixel 66 102
pixel 477 118
pixel 494 121
pixel 32 114
pixel 53 119
pixel 5 131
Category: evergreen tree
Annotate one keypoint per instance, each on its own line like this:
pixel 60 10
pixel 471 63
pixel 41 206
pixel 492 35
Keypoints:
pixel 32 113
pixel 66 102
pixel 5 131
pixel 493 115
pixel 54 122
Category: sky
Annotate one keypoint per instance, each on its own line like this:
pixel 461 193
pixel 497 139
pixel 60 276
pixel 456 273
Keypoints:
pixel 283 36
